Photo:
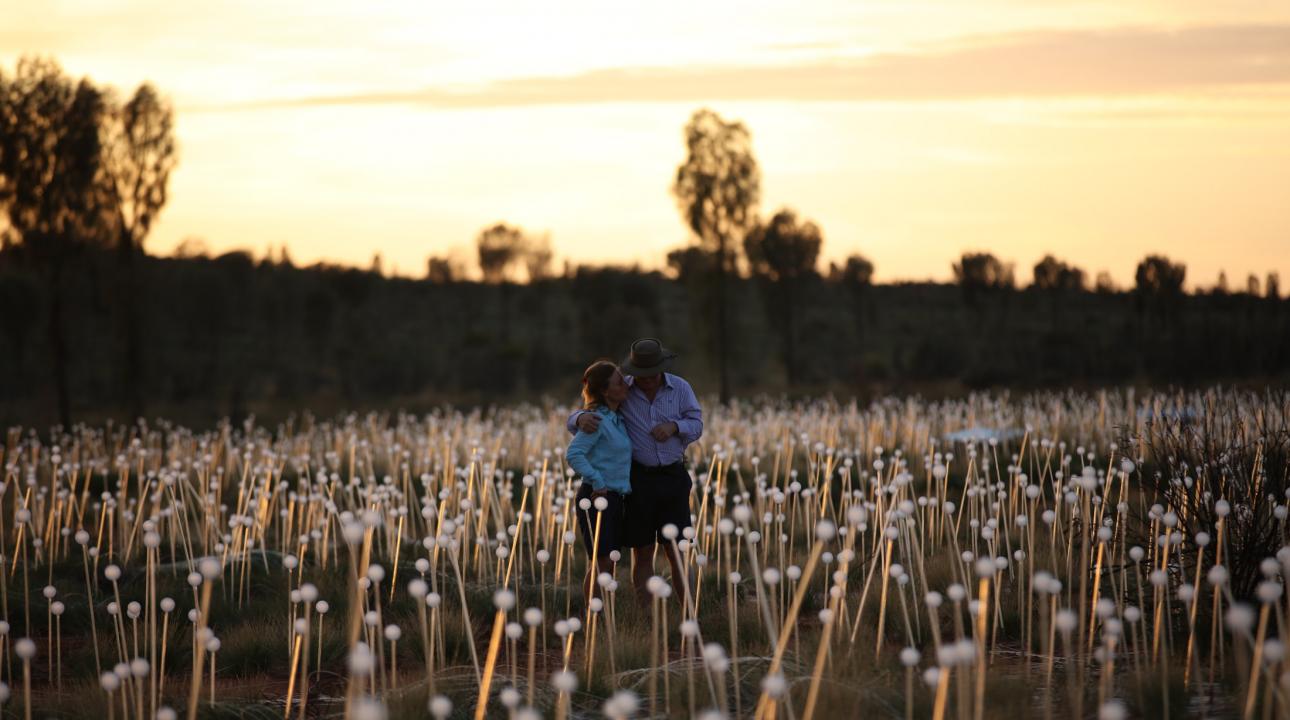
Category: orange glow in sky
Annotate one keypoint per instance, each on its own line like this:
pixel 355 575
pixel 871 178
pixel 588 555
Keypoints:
pixel 909 130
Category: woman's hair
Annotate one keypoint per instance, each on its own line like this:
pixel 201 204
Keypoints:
pixel 595 381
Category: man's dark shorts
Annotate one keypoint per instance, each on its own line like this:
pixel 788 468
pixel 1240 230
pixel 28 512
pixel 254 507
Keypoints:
pixel 660 495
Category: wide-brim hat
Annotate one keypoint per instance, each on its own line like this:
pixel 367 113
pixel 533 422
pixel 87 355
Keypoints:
pixel 647 357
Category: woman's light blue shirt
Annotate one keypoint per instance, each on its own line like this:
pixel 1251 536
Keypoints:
pixel 604 458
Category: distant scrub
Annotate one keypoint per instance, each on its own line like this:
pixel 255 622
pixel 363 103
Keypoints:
pixel 236 335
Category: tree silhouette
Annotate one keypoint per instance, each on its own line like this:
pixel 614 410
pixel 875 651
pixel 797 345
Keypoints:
pixel 1272 288
pixel 1252 285
pixel 537 258
pixel 500 247
pixel 442 270
pixel 1104 283
pixel 1220 285
pixel 1053 274
pixel 1157 276
pixel 141 155
pixel 717 188
pixel 783 252
pixel 691 263
pixel 855 271
pixel 784 248
pixel 982 272
pixel 53 189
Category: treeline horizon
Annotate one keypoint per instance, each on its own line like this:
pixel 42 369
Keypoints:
pixel 233 335
pixel 453 266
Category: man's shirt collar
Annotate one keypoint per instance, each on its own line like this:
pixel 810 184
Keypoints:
pixel 667 381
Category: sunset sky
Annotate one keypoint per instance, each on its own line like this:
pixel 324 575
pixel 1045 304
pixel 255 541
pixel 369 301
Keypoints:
pixel 909 130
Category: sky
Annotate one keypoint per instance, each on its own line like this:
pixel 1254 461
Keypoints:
pixel 910 131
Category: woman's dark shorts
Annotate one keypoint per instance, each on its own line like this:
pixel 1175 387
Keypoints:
pixel 611 521
pixel 660 495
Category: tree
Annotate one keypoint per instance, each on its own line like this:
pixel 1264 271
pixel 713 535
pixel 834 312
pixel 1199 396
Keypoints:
pixel 53 189
pixel 856 271
pixel 717 189
pixel 1272 288
pixel 537 258
pixel 443 270
pixel 1104 284
pixel 783 252
pixel 1252 285
pixel 1220 285
pixel 978 272
pixel 500 248
pixel 141 153
pixel 784 248
pixel 141 157
pixel 284 256
pixel 1157 276
pixel 690 263
pixel 1053 274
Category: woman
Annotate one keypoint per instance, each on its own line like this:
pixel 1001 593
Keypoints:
pixel 604 460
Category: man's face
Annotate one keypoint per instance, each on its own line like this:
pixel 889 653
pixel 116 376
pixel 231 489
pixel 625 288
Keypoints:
pixel 649 383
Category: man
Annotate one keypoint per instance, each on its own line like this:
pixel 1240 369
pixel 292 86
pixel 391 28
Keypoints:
pixel 663 417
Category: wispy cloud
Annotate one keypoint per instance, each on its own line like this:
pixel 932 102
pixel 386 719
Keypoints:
pixel 1040 63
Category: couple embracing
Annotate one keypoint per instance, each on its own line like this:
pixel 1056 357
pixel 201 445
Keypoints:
pixel 628 446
